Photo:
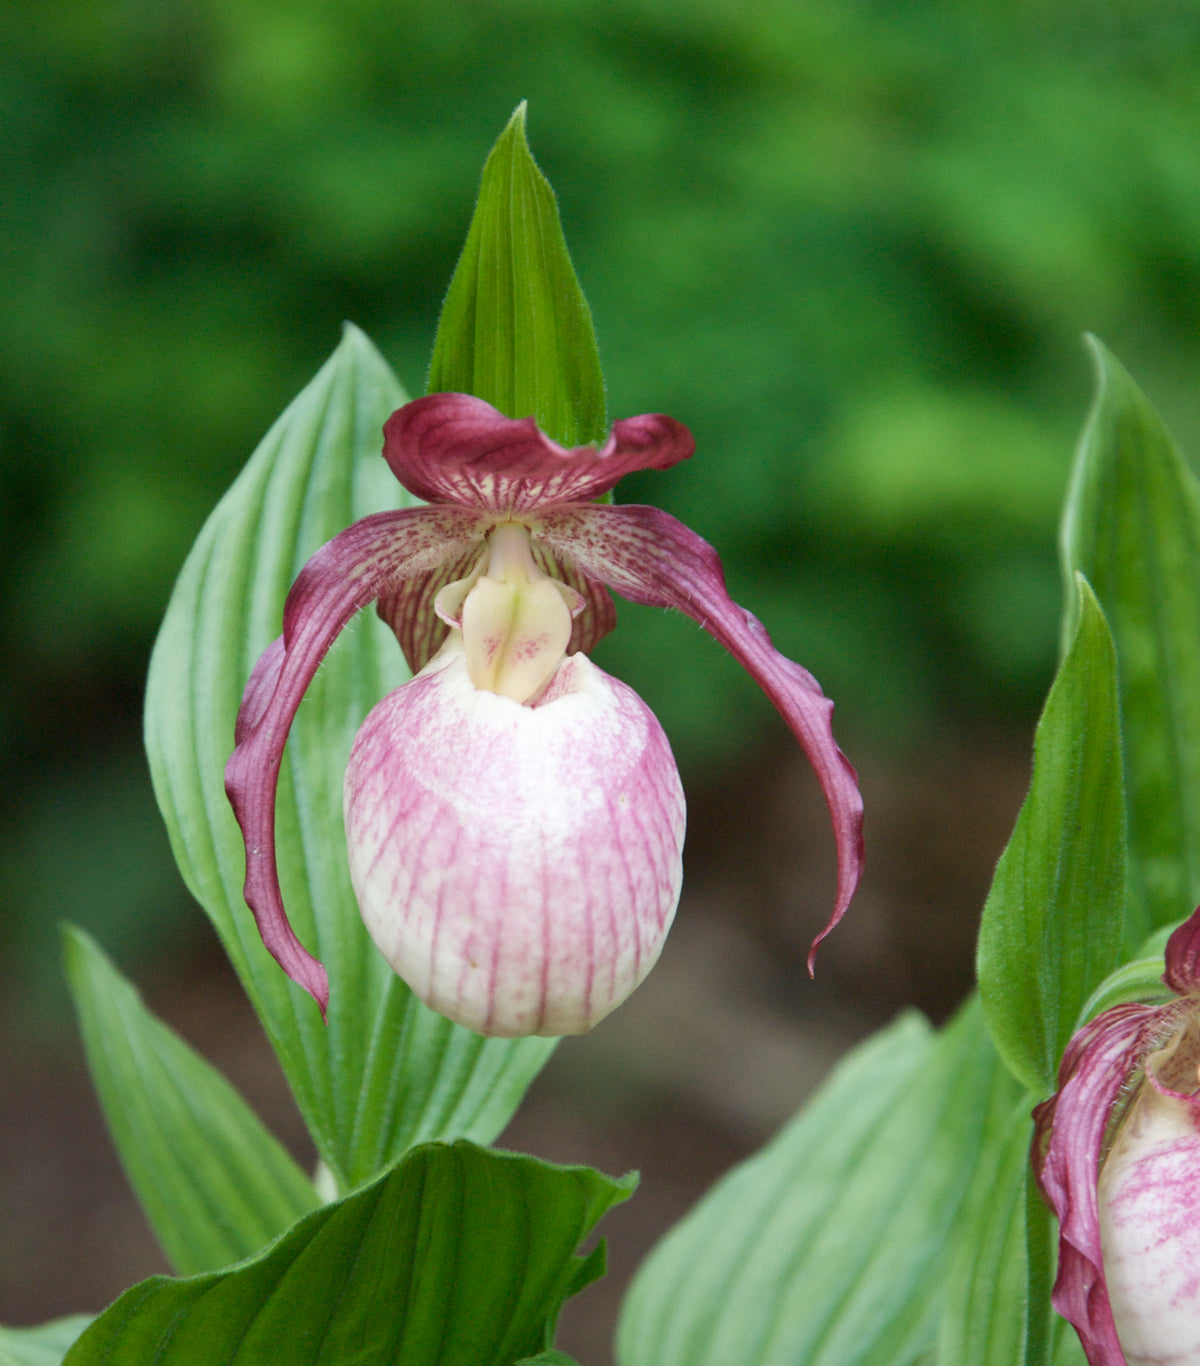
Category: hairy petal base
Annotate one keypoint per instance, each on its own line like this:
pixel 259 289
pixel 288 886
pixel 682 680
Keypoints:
pixel 518 866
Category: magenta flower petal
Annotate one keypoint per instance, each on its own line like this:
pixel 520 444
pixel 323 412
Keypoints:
pixel 343 576
pixel 1070 1133
pixel 1117 1155
pixel 518 866
pixel 452 448
pixel 649 557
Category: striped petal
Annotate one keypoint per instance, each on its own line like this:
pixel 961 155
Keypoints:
pixel 649 557
pixel 518 866
pixel 343 576
pixel 1150 1212
pixel 1117 1155
pixel 452 448
pixel 1070 1130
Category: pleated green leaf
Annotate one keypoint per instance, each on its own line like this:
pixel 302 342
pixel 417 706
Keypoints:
pixel 997 1312
pixel 515 328
pixel 215 1185
pixel 459 1256
pixel 1132 526
pixel 986 1287
pixel 1053 924
pixel 830 1247
pixel 386 1072
pixel 45 1345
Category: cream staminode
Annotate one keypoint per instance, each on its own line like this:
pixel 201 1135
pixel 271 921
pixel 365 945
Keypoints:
pixel 515 619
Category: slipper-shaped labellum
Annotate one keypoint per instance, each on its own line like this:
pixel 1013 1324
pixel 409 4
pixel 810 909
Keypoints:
pixel 514 817
pixel 1117 1155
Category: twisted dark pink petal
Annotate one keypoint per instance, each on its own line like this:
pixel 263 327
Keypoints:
pixel 1070 1129
pixel 649 557
pixel 345 575
pixel 452 448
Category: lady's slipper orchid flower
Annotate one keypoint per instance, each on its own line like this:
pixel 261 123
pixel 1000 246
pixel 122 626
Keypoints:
pixel 514 817
pixel 1117 1156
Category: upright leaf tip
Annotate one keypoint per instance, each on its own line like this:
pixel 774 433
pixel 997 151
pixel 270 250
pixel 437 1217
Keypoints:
pixel 515 328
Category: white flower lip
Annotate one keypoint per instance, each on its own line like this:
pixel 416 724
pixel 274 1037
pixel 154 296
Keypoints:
pixel 518 866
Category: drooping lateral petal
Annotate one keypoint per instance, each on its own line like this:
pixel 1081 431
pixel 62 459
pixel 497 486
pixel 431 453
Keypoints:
pixel 346 574
pixel 1070 1131
pixel 452 448
pixel 518 866
pixel 650 557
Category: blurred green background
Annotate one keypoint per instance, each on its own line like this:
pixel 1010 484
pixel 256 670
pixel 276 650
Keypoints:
pixel 852 244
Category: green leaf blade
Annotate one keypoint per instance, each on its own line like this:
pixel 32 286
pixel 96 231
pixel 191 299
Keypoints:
pixel 986 1286
pixel 515 328
pixel 1053 923
pixel 215 1185
pixel 385 1073
pixel 45 1345
pixel 829 1246
pixel 1132 526
pixel 458 1254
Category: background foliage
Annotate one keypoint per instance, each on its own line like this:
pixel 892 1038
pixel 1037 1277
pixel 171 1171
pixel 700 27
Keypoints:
pixel 852 244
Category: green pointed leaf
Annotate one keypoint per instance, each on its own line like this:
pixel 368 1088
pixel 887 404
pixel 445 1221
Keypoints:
pixel 515 328
pixel 830 1246
pixel 1053 923
pixel 983 1324
pixel 386 1072
pixel 44 1345
pixel 1132 526
pixel 457 1255
pixel 215 1185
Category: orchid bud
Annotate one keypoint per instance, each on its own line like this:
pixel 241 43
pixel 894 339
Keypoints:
pixel 1117 1156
